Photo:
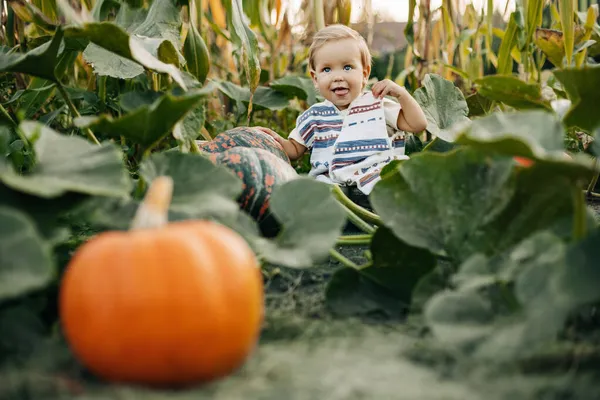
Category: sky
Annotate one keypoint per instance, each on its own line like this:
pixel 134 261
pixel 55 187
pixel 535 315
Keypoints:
pixel 398 9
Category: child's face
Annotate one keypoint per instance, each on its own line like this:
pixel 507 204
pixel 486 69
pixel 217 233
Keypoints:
pixel 339 74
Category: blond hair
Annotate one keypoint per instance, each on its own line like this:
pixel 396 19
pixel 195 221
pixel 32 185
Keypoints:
pixel 338 32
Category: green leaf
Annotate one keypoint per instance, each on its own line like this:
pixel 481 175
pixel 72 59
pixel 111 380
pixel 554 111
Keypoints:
pixel 397 266
pixel 386 285
pixel 509 41
pixel 551 42
pixel 442 102
pixel 265 98
pixel 113 38
pixel 532 314
pixel 459 318
pixel 107 63
pixel 201 189
pixel 39 62
pixel 478 105
pixel 296 86
pixel 535 134
pixel 579 281
pixel 147 124
pixel 28 12
pixel 350 293
pixel 69 163
pixel 47 213
pixel 567 12
pixel 189 128
pixel 207 193
pixel 440 201
pixel 581 86
pixel 163 21
pixel 25 260
pixel 128 17
pixel 196 54
pixel 464 202
pixel 33 98
pixel 312 221
pixel 512 91
pixel 245 38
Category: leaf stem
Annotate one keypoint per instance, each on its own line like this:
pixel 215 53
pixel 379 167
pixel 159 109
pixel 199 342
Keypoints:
pixel 194 147
pixel 7 115
pixel 343 260
pixel 592 185
pixel 364 214
pixel 579 214
pixel 356 220
pixel 354 240
pixel 74 111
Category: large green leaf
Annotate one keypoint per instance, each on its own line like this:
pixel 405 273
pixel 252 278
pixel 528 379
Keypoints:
pixel 311 218
pixel 535 134
pixel 296 86
pixel 312 221
pixel 350 293
pixel 442 102
pixel 464 201
pixel 265 98
pixel 39 62
pixel 25 260
pixel 190 127
pixel 527 300
pixel 397 266
pixel 246 39
pixel 512 91
pixel 439 201
pixel 581 278
pixel 163 20
pixel 147 124
pixel 201 189
pixel 69 163
pixel 581 86
pixel 387 284
pixel 107 63
pixel 115 39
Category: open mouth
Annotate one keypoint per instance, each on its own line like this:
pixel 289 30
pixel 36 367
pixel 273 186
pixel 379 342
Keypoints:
pixel 340 91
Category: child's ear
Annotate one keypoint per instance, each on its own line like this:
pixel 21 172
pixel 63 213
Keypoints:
pixel 314 77
pixel 366 74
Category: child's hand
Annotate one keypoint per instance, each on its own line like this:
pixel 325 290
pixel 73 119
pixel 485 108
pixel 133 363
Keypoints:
pixel 387 87
pixel 271 133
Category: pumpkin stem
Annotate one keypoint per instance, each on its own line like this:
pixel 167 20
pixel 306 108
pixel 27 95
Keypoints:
pixel 153 212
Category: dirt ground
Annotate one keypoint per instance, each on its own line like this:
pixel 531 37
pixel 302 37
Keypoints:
pixel 305 352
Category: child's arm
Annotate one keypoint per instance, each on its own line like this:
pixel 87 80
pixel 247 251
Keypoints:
pixel 293 149
pixel 411 117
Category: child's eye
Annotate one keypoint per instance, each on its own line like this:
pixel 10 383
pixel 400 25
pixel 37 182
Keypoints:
pixel 347 67
pixel 326 69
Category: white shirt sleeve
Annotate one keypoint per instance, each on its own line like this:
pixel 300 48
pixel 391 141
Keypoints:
pixel 391 109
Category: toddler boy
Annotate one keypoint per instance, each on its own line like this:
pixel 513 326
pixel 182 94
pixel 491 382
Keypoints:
pixel 353 133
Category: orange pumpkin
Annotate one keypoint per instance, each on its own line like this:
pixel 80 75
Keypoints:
pixel 163 304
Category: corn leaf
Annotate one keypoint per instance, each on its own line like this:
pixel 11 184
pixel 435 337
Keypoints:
pixel 245 38
pixel 39 62
pixel 567 9
pixel 115 39
pixel 581 85
pixel 509 41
